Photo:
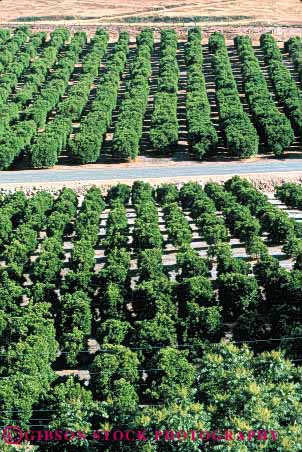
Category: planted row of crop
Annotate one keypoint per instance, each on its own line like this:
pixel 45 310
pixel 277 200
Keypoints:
pixel 198 316
pixel 39 68
pixel 129 126
pixel 56 85
pixel 25 328
pixel 14 139
pixel 178 228
pixel 202 136
pixel 50 261
pixel 78 93
pixel 76 295
pixel 15 69
pixel 12 214
pixel 49 144
pixel 153 297
pixel 10 47
pixel 294 47
pixel 203 210
pixel 5 34
pixel 241 137
pixel 117 228
pixel 24 241
pixel 25 331
pixel 164 123
pixel 86 230
pixel 114 277
pixel 273 126
pixel 146 231
pixel 273 220
pixel 112 326
pixel 86 145
pixel 155 316
pixel 285 87
pixel 45 148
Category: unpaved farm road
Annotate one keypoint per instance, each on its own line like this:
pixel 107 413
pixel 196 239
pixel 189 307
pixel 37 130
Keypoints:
pixel 148 172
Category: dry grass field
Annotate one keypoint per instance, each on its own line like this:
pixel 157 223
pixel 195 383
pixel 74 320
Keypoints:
pixel 222 12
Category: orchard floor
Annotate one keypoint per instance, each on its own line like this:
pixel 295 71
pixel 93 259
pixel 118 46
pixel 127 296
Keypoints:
pixel 178 162
pixel 169 258
pixel 169 255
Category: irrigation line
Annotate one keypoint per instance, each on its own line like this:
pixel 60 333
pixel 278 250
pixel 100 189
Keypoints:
pixel 159 347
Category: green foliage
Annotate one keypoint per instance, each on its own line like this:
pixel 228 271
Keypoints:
pixel 164 123
pixel 146 231
pixel 129 127
pixel 226 262
pixel 49 144
pixel 82 256
pixel 190 264
pixel 75 324
pixel 278 224
pixel 176 378
pixel 157 354
pixel 284 85
pixel 117 228
pixel 20 63
pixel 88 221
pixel 238 293
pixel 251 399
pixel 256 248
pixel 146 235
pixel 167 194
pixel 241 136
pixel 188 193
pixel 17 253
pixel 87 142
pixel 155 332
pixel 74 409
pixel 112 303
pixel 197 289
pixel 290 194
pixel 48 266
pixel 200 316
pixel 294 46
pixel 65 208
pixel 119 192
pixel 202 136
pixel 107 369
pixel 123 401
pixel 27 366
pixel 116 269
pixel 177 225
pixel 114 331
pixel 273 126
pixel 149 263
pixel 73 105
pixel 241 223
pixel 75 311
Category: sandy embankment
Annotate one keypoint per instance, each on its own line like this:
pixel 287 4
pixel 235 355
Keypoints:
pixel 266 182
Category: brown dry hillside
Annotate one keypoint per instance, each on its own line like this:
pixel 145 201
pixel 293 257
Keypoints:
pixel 208 11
